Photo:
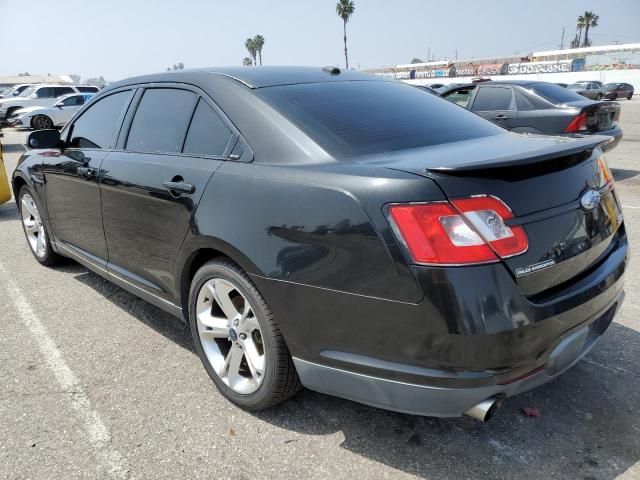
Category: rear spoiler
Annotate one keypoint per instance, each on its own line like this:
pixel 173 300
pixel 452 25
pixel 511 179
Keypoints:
pixel 578 147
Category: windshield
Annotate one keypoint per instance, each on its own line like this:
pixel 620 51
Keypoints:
pixel 555 93
pixel 27 92
pixel 369 117
pixel 6 91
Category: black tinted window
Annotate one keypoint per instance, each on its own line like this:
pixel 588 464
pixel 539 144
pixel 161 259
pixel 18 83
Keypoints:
pixel 97 125
pixel 46 92
pixel 208 135
pixel 493 98
pixel 356 118
pixel 529 101
pixel 63 91
pixel 161 120
pixel 461 96
pixel 554 93
pixel 87 89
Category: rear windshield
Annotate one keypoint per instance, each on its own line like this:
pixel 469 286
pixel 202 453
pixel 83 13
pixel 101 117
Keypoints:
pixel 368 117
pixel 555 93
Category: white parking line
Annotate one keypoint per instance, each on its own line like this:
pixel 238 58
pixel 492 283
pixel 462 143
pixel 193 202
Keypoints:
pixel 630 206
pixel 633 473
pixel 99 435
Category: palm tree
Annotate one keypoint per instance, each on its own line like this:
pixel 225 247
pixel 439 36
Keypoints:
pixel 345 9
pixel 251 48
pixel 580 25
pixel 247 62
pixel 258 42
pixel 590 21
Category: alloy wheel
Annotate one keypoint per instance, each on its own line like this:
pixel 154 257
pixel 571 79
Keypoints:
pixel 42 122
pixel 33 226
pixel 230 335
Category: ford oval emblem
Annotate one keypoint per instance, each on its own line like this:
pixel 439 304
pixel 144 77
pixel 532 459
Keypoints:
pixel 590 199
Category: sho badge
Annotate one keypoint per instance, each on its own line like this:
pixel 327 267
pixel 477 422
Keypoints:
pixel 536 267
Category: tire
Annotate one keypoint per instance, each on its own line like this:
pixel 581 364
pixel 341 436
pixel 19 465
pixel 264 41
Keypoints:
pixel 41 122
pixel 599 96
pixel 630 96
pixel 254 330
pixel 35 230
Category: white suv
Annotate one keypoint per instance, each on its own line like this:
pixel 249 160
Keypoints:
pixel 39 95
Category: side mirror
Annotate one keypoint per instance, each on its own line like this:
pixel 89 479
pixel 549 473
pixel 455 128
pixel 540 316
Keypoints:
pixel 59 105
pixel 44 139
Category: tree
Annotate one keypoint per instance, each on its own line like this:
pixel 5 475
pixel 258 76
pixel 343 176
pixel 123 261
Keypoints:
pixel 590 21
pixel 247 62
pixel 345 9
pixel 251 48
pixel 580 25
pixel 258 43
pixel 416 60
pixel 75 78
pixel 575 43
pixel 180 66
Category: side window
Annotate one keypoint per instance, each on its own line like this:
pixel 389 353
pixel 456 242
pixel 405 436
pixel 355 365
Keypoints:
pixel 72 101
pixel 527 100
pixel 460 97
pixel 523 103
pixel 46 92
pixel 97 126
pixel 489 99
pixel 63 91
pixel 207 135
pixel 161 120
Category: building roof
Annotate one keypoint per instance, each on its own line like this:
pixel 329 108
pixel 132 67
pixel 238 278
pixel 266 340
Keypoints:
pixel 18 79
pixel 597 50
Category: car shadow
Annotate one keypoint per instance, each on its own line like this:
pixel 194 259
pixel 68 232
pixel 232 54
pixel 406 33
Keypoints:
pixel 587 428
pixel 620 174
pixel 9 211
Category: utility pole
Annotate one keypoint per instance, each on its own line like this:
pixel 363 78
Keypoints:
pixel 456 53
pixel 562 39
pixel 428 54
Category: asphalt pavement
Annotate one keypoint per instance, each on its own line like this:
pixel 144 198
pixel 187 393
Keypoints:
pixel 96 383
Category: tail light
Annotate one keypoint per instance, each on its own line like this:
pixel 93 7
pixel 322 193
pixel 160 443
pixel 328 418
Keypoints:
pixel 578 124
pixel 465 231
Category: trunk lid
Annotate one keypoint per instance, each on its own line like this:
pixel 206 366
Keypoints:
pixel 601 116
pixel 542 180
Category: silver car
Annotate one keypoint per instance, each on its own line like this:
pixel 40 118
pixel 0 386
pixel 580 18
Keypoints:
pixel 587 89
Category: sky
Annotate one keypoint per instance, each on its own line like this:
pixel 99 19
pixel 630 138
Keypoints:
pixel 121 38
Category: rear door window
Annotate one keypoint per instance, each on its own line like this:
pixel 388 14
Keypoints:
pixel 554 93
pixel 63 91
pixel 207 135
pixel 73 101
pixel 161 120
pixel 46 92
pixel 88 89
pixel 489 99
pixel 97 126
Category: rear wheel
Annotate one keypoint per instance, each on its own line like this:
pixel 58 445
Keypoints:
pixel 630 96
pixel 35 230
pixel 599 96
pixel 41 122
pixel 237 338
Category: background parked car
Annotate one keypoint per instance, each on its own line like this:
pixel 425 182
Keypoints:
pixel 538 107
pixel 613 91
pixel 39 95
pixel 14 91
pixel 563 85
pixel 56 114
pixel 587 89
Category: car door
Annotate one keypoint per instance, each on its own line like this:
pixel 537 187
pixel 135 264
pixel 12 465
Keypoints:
pixel 65 109
pixel 168 150
pixel 496 103
pixel 71 178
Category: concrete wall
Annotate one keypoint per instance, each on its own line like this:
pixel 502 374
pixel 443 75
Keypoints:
pixel 605 76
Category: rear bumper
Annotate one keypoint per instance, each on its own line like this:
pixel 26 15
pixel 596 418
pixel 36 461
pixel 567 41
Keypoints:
pixel 451 402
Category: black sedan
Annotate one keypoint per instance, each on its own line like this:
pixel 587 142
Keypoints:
pixel 539 107
pixel 336 230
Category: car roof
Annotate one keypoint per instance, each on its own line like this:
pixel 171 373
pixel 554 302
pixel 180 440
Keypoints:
pixel 259 77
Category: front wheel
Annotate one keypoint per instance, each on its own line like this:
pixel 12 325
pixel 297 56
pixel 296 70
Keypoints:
pixel 35 230
pixel 599 96
pixel 41 122
pixel 630 96
pixel 237 338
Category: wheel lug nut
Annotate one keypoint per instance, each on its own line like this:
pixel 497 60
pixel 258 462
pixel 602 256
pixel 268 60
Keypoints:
pixel 236 322
pixel 243 336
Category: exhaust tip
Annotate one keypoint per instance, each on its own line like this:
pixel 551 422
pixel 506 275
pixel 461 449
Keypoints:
pixel 485 410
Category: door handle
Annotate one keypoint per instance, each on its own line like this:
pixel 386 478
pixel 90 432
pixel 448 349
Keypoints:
pixel 501 116
pixel 179 187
